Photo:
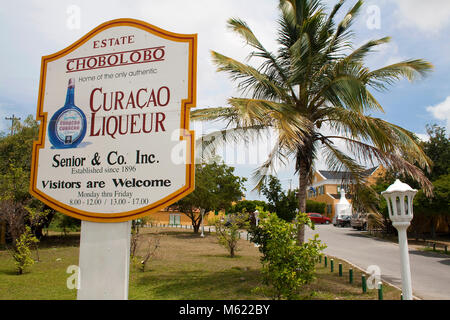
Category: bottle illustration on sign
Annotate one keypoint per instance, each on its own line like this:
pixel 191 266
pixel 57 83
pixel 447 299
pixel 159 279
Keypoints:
pixel 67 127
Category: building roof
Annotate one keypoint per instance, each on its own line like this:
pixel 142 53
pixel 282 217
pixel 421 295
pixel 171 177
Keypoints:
pixel 343 175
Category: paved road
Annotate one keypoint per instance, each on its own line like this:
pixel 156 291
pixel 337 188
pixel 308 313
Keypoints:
pixel 430 272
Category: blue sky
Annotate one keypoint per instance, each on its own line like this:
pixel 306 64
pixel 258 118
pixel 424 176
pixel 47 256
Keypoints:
pixel 419 29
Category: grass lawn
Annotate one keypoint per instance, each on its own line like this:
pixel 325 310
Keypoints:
pixel 185 267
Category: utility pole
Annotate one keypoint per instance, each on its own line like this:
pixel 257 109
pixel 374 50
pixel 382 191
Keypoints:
pixel 13 118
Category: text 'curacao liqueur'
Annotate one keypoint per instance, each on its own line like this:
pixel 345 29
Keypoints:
pixel 67 127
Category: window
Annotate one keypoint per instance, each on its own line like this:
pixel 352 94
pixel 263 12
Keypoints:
pixel 174 219
pixel 321 190
pixel 329 209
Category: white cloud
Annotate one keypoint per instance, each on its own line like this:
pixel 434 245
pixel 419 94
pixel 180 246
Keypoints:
pixel 423 136
pixel 428 16
pixel 441 111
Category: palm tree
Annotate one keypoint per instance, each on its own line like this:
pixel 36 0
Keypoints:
pixel 315 80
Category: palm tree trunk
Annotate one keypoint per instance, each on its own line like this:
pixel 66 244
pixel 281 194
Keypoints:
pixel 302 187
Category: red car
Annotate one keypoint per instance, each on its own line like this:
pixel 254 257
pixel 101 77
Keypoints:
pixel 318 218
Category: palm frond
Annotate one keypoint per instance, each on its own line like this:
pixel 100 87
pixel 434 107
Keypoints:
pixel 359 54
pixel 213 114
pixel 336 160
pixel 278 115
pixel 241 27
pixel 250 79
pixel 342 36
pixel 270 67
pixel 363 152
pixel 347 91
pixel 385 136
pixel 260 174
pixel 381 78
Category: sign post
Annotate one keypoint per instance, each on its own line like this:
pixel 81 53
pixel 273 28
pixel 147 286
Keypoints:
pixel 114 140
pixel 108 246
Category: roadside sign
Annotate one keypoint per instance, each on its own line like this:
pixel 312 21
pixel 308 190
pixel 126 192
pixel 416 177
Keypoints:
pixel 114 141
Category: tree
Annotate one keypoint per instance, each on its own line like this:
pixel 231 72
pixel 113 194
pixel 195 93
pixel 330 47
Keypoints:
pixel 437 148
pixel 66 223
pixel 317 80
pixel 248 205
pixel 15 167
pixel 216 187
pixel 227 232
pixel 16 149
pixel 283 204
pixel 437 206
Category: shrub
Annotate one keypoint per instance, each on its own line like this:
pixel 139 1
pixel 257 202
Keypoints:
pixel 316 207
pixel 21 252
pixel 287 265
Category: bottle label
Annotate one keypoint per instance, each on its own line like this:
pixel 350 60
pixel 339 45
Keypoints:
pixel 69 126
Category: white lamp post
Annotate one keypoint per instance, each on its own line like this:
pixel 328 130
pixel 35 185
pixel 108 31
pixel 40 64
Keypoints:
pixel 202 211
pixel 399 197
pixel 256 217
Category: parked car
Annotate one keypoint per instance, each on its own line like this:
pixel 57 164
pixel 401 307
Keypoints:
pixel 359 221
pixel 319 218
pixel 342 220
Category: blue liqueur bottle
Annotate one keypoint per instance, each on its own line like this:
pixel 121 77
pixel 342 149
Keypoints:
pixel 67 127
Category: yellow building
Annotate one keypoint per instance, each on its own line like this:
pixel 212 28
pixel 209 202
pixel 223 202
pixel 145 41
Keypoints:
pixel 169 216
pixel 326 186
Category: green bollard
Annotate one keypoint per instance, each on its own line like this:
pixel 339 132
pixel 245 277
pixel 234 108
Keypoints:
pixel 320 259
pixel 364 283
pixel 326 262
pixel 332 265
pixel 340 269
pixel 380 291
pixel 350 276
